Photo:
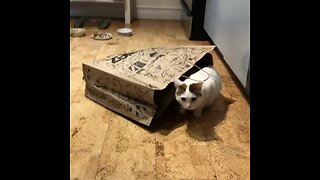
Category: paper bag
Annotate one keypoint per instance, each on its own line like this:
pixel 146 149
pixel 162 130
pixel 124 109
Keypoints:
pixel 139 84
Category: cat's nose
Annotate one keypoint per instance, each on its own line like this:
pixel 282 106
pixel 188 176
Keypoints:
pixel 188 105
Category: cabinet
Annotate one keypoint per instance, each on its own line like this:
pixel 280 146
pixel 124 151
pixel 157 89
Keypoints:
pixel 227 22
pixel 126 3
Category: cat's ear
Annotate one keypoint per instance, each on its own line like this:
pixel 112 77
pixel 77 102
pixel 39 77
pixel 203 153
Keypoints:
pixel 196 89
pixel 177 82
pixel 196 86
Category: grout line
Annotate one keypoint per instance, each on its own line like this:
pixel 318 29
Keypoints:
pixel 211 155
pixel 155 145
pixel 101 152
pixel 105 136
pixel 76 93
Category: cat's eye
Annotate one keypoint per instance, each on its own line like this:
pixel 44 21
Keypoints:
pixel 183 99
pixel 182 88
pixel 193 99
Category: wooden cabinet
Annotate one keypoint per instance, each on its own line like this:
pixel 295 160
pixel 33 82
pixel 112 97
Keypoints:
pixel 126 3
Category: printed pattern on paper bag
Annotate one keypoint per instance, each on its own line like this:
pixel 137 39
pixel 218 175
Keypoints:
pixel 154 68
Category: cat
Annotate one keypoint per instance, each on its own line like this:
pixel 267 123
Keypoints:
pixel 200 90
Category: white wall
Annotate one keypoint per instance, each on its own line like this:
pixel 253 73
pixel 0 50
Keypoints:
pixel 142 9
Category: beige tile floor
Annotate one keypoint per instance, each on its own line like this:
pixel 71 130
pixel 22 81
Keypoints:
pixel 105 145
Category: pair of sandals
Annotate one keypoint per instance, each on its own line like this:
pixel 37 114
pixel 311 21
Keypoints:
pixel 104 23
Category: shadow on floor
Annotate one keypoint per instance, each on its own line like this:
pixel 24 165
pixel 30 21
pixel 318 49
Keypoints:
pixel 201 129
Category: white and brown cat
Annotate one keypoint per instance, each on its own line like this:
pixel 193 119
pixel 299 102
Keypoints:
pixel 200 90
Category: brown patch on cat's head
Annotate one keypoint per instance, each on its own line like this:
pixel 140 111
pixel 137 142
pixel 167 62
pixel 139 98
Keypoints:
pixel 181 89
pixel 196 89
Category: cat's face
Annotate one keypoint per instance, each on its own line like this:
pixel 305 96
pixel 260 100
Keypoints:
pixel 189 96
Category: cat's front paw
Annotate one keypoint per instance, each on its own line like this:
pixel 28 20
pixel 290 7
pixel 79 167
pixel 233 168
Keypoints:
pixel 197 113
pixel 182 111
